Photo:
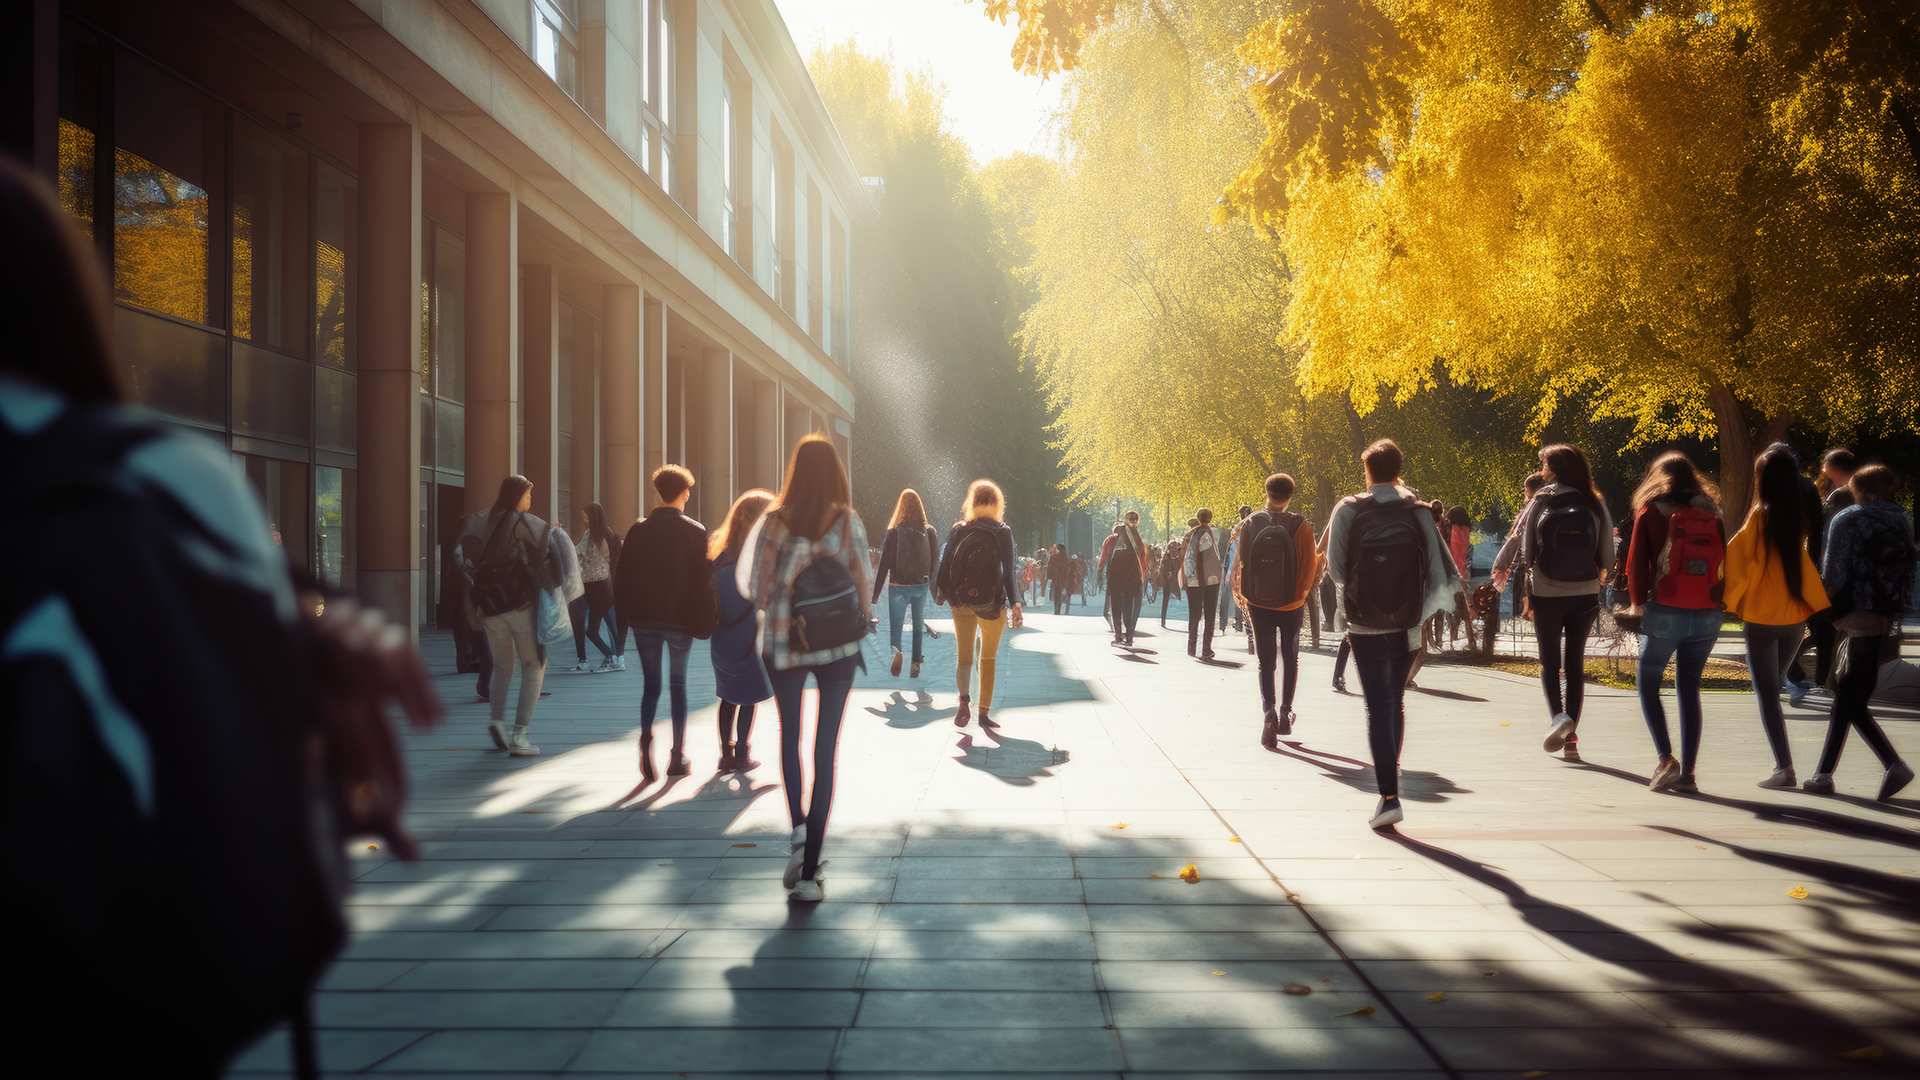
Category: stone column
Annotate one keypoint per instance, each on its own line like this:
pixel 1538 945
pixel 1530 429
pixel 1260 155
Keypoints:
pixel 718 442
pixel 766 433
pixel 584 461
pixel 388 392
pixel 653 425
pixel 620 405
pixel 493 331
pixel 540 379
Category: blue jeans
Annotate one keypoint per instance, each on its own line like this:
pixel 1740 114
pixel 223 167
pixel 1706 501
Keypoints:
pixel 1383 661
pixel 899 597
pixel 679 647
pixel 1685 636
pixel 835 683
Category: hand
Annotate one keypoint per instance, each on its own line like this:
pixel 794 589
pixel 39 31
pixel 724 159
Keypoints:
pixel 1015 619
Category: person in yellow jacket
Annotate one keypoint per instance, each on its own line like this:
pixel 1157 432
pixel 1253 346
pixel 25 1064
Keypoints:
pixel 1275 565
pixel 1772 586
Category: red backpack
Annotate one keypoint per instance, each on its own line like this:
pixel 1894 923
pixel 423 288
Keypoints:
pixel 1688 571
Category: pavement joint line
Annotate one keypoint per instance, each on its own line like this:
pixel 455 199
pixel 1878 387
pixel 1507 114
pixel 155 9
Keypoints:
pixel 1294 898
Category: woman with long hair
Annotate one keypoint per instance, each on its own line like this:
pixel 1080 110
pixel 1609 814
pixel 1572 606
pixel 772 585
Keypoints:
pixel 599 558
pixel 739 681
pixel 804 567
pixel 976 579
pixel 1566 552
pixel 1675 565
pixel 513 536
pixel 1868 574
pixel 1773 587
pixel 906 562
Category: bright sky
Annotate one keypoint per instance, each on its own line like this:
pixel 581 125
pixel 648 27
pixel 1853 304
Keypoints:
pixel 994 108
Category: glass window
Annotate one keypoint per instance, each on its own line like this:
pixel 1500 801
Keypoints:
pixel 172 368
pixel 272 395
pixel 166 173
pixel 727 167
pixel 282 487
pixel 270 256
pixel 336 231
pixel 333 526
pixel 449 315
pixel 552 50
pixel 337 417
pixel 450 437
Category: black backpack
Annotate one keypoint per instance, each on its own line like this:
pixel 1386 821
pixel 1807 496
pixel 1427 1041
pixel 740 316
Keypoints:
pixel 912 556
pixel 1387 563
pixel 826 605
pixel 973 571
pixel 1270 572
pixel 502 581
pixel 1123 566
pixel 1565 538
pixel 175 863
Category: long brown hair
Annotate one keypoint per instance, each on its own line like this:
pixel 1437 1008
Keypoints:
pixel 1672 475
pixel 53 299
pixel 1783 518
pixel 597 528
pixel 1569 466
pixel 984 499
pixel 816 491
pixel 909 511
pixel 732 534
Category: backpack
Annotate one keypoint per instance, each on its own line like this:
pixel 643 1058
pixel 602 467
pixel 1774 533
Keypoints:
pixel 1387 563
pixel 973 570
pixel 502 580
pixel 169 829
pixel 1123 566
pixel 912 556
pixel 825 603
pixel 1566 537
pixel 1270 573
pixel 1688 570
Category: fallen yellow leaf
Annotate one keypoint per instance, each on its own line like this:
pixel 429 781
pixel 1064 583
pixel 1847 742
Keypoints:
pixel 1798 892
pixel 1219 973
pixel 1876 1052
pixel 1294 896
pixel 1437 995
pixel 373 847
pixel 1120 825
pixel 1506 725
pixel 1152 874
pixel 1190 874
pixel 1296 989
pixel 1489 974
pixel 1364 1010
pixel 1700 847
pixel 1233 840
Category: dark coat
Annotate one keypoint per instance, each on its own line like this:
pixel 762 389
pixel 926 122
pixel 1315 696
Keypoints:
pixel 663 572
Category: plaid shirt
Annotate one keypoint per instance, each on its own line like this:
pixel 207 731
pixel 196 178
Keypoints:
pixel 773 556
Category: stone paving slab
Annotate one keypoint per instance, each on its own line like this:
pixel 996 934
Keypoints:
pixel 1007 903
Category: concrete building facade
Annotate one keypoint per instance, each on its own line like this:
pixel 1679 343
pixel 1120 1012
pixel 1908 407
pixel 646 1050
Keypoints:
pixel 391 251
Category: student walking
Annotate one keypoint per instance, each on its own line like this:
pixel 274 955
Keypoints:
pixel 1837 467
pixel 1384 551
pixel 1566 553
pixel 1772 588
pixel 1201 573
pixel 806 572
pixel 1170 575
pixel 1675 567
pixel 1869 577
pixel 661 592
pixel 1059 578
pixel 1230 543
pixel 739 680
pixel 515 564
pixel 907 556
pixel 599 555
pixel 1275 565
pixel 1123 562
pixel 976 579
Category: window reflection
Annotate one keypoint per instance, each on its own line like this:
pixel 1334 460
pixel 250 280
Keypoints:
pixel 159 238
pixel 270 259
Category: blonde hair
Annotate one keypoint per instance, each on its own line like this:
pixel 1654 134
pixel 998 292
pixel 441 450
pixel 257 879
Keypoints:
pixel 732 533
pixel 909 511
pixel 984 499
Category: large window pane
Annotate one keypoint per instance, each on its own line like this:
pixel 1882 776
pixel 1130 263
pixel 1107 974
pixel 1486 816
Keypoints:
pixel 333 518
pixel 272 395
pixel 282 487
pixel 337 418
pixel 450 437
pixel 449 315
pixel 165 187
pixel 336 230
pixel 175 369
pixel 270 257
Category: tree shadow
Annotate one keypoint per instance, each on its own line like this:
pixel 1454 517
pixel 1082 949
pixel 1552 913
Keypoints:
pixel 1812 817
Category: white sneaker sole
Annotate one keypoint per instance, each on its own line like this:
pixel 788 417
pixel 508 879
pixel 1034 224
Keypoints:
pixel 499 733
pixel 1558 737
pixel 794 862
pixel 1392 815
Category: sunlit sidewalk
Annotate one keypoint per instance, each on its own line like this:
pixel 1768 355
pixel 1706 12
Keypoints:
pixel 1012 903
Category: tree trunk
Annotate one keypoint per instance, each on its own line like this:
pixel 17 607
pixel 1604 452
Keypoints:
pixel 1324 499
pixel 1736 454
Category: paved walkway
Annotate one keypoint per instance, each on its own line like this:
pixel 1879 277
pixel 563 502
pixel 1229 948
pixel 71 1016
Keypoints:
pixel 1011 904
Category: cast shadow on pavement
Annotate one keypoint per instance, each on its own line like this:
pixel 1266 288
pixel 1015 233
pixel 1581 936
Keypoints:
pixel 1020 762
pixel 1812 817
pixel 900 713
pixel 1416 785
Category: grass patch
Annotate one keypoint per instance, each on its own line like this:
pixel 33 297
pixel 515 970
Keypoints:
pixel 1719 674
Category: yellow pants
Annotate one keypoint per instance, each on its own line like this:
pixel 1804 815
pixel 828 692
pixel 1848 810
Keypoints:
pixel 965 622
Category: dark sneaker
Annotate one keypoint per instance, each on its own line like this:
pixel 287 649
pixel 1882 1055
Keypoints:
pixel 1339 684
pixel 1898 776
pixel 1270 731
pixel 1686 785
pixel 1287 720
pixel 1819 784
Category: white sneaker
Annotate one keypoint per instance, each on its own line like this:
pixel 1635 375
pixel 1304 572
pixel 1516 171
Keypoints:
pixel 807 892
pixel 797 857
pixel 1563 728
pixel 619 663
pixel 605 667
pixel 1781 778
pixel 499 733
pixel 1389 813
pixel 519 746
